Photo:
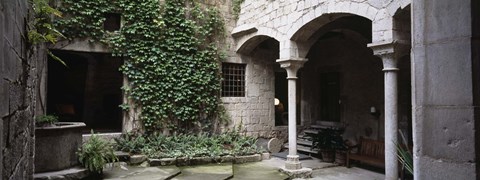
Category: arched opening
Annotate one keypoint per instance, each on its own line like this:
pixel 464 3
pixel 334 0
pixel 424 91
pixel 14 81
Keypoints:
pixel 342 83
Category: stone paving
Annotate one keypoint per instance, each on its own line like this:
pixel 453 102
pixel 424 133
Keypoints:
pixel 140 173
pixel 266 170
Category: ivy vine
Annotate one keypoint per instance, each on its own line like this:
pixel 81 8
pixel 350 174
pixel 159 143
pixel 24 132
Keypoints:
pixel 236 7
pixel 171 55
pixel 41 28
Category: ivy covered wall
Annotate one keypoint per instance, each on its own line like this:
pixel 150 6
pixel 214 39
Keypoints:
pixel 172 57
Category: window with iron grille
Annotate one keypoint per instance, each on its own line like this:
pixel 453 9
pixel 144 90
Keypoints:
pixel 233 84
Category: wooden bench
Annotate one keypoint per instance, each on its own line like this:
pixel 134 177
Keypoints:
pixel 370 152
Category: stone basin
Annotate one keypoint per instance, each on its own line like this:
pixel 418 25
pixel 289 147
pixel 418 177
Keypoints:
pixel 56 146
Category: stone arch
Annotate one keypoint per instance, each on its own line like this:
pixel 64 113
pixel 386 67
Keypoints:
pixel 308 34
pixel 308 30
pixel 248 42
pixel 321 15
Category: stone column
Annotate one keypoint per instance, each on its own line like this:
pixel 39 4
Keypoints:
pixel 387 51
pixel 292 65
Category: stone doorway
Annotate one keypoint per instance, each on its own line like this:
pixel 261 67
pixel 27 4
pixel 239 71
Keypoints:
pixel 87 90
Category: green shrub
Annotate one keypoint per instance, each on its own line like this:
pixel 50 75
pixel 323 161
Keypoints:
pixel 131 143
pixel 45 120
pixel 95 153
pixel 188 145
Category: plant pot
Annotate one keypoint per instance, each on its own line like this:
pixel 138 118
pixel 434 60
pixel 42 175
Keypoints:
pixel 340 157
pixel 328 155
pixel 56 146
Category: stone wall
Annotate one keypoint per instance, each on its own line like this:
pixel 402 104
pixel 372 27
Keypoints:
pixel 445 89
pixel 18 92
pixel 254 113
pixel 283 18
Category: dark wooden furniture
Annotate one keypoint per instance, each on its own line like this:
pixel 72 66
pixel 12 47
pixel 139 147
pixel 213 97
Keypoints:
pixel 370 152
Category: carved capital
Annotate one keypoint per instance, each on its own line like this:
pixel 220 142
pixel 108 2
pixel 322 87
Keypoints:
pixel 390 52
pixel 292 65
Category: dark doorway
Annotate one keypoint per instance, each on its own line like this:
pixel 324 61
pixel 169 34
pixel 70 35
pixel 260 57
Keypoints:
pixel 330 96
pixel 86 90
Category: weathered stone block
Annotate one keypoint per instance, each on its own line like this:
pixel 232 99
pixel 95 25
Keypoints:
pixel 457 24
pixel 265 156
pixel 448 133
pixel 122 156
pixel 248 158
pixel 299 173
pixel 448 74
pixel 137 159
pixel 162 162
pixel 224 159
pixel 183 161
pixel 200 160
pixel 438 169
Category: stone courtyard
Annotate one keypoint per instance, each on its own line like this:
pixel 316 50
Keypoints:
pixel 393 72
pixel 267 169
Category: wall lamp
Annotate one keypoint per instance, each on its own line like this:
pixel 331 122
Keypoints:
pixel 374 111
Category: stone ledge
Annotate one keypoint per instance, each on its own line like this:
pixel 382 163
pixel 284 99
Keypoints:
pixel 72 173
pixel 248 158
pixel 162 162
pixel 204 160
pixel 137 159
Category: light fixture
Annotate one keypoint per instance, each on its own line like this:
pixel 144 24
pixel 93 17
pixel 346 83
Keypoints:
pixel 277 102
pixel 374 111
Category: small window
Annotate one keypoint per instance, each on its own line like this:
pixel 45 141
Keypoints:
pixel 112 22
pixel 233 84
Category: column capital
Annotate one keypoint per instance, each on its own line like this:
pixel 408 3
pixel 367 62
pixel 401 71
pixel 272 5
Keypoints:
pixel 397 47
pixel 390 52
pixel 292 65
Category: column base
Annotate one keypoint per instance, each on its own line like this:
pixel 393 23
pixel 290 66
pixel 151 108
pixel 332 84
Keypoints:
pixel 298 173
pixel 292 162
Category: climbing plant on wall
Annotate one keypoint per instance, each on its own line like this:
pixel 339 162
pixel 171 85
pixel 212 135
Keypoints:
pixel 236 7
pixel 171 51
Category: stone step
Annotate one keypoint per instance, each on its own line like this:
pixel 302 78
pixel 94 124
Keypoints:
pixel 311 131
pixel 306 149
pixel 304 142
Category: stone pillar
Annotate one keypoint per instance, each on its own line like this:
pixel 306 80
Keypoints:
pixel 292 66
pixel 387 51
pixel 445 89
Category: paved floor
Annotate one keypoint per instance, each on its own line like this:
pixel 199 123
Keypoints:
pixel 265 170
pixel 328 171
pixel 343 173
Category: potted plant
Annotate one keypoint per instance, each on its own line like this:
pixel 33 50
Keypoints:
pixel 56 143
pixel 340 148
pixel 95 153
pixel 328 141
